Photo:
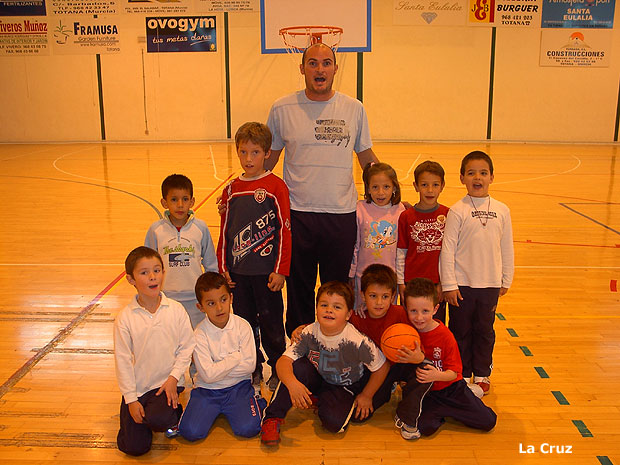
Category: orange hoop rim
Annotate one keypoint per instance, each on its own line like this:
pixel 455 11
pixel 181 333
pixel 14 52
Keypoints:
pixel 291 36
pixel 304 30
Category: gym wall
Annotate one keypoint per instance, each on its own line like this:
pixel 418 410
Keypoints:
pixel 419 83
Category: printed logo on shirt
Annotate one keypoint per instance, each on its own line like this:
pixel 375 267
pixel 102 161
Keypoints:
pixel 428 234
pixel 314 356
pixel 179 255
pixel 380 235
pixel 260 195
pixel 332 131
pixel 266 250
pixel 437 361
pixel 483 215
pixel 253 236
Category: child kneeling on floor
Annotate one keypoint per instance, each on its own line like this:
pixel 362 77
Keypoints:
pixel 327 363
pixel 225 357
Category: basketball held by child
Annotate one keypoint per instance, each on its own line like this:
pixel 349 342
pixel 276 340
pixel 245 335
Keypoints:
pixel 396 336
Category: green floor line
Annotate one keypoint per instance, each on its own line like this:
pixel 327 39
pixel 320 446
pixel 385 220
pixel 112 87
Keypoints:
pixel 541 372
pixel 560 398
pixel 583 429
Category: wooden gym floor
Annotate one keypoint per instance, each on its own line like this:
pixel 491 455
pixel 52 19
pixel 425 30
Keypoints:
pixel 75 210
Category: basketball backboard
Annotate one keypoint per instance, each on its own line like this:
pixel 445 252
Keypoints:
pixel 352 16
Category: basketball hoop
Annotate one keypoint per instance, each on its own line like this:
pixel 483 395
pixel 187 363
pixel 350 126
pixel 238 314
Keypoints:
pixel 298 38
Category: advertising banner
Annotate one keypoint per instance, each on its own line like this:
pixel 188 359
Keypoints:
pixel 180 34
pixel 23 36
pixel 577 48
pixel 430 12
pixel 171 7
pixel 22 8
pixel 85 35
pixel 505 13
pixel 597 14
pixel 83 7
pixel 208 6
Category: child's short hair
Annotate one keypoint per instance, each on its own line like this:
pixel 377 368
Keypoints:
pixel 380 274
pixel 429 167
pixel 208 281
pixel 375 168
pixel 138 253
pixel 176 181
pixel 422 287
pixel 338 288
pixel 476 155
pixel 257 133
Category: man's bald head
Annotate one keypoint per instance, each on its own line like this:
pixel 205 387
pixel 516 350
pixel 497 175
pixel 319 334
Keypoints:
pixel 313 46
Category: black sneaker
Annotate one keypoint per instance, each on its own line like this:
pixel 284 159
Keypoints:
pixel 257 377
pixel 273 382
pixel 172 432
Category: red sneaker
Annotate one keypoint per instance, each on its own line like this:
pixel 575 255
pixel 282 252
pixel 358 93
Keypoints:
pixel 484 383
pixel 270 431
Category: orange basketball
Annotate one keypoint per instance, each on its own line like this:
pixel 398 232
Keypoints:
pixel 396 336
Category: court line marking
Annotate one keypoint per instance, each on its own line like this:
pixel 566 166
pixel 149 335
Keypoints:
pixel 566 205
pixel 529 241
pixel 560 267
pixel 35 152
pixel 565 317
pixel 213 162
pixel 569 267
pixel 545 176
pixel 67 330
pixel 604 460
pixel 215 190
pixel 60 442
pixel 534 178
pixel 60 337
pixel 557 196
pixel 560 398
pixel 57 168
pixel 89 184
pixel 582 428
pixel 412 167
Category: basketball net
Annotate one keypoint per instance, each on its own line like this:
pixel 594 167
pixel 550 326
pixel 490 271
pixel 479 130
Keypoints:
pixel 298 38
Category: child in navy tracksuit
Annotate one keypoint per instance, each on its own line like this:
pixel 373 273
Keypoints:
pixel 254 249
pixel 225 357
pixel 450 395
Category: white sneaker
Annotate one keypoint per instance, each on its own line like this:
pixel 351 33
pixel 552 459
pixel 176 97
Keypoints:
pixel 484 383
pixel 406 431
pixel 477 390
